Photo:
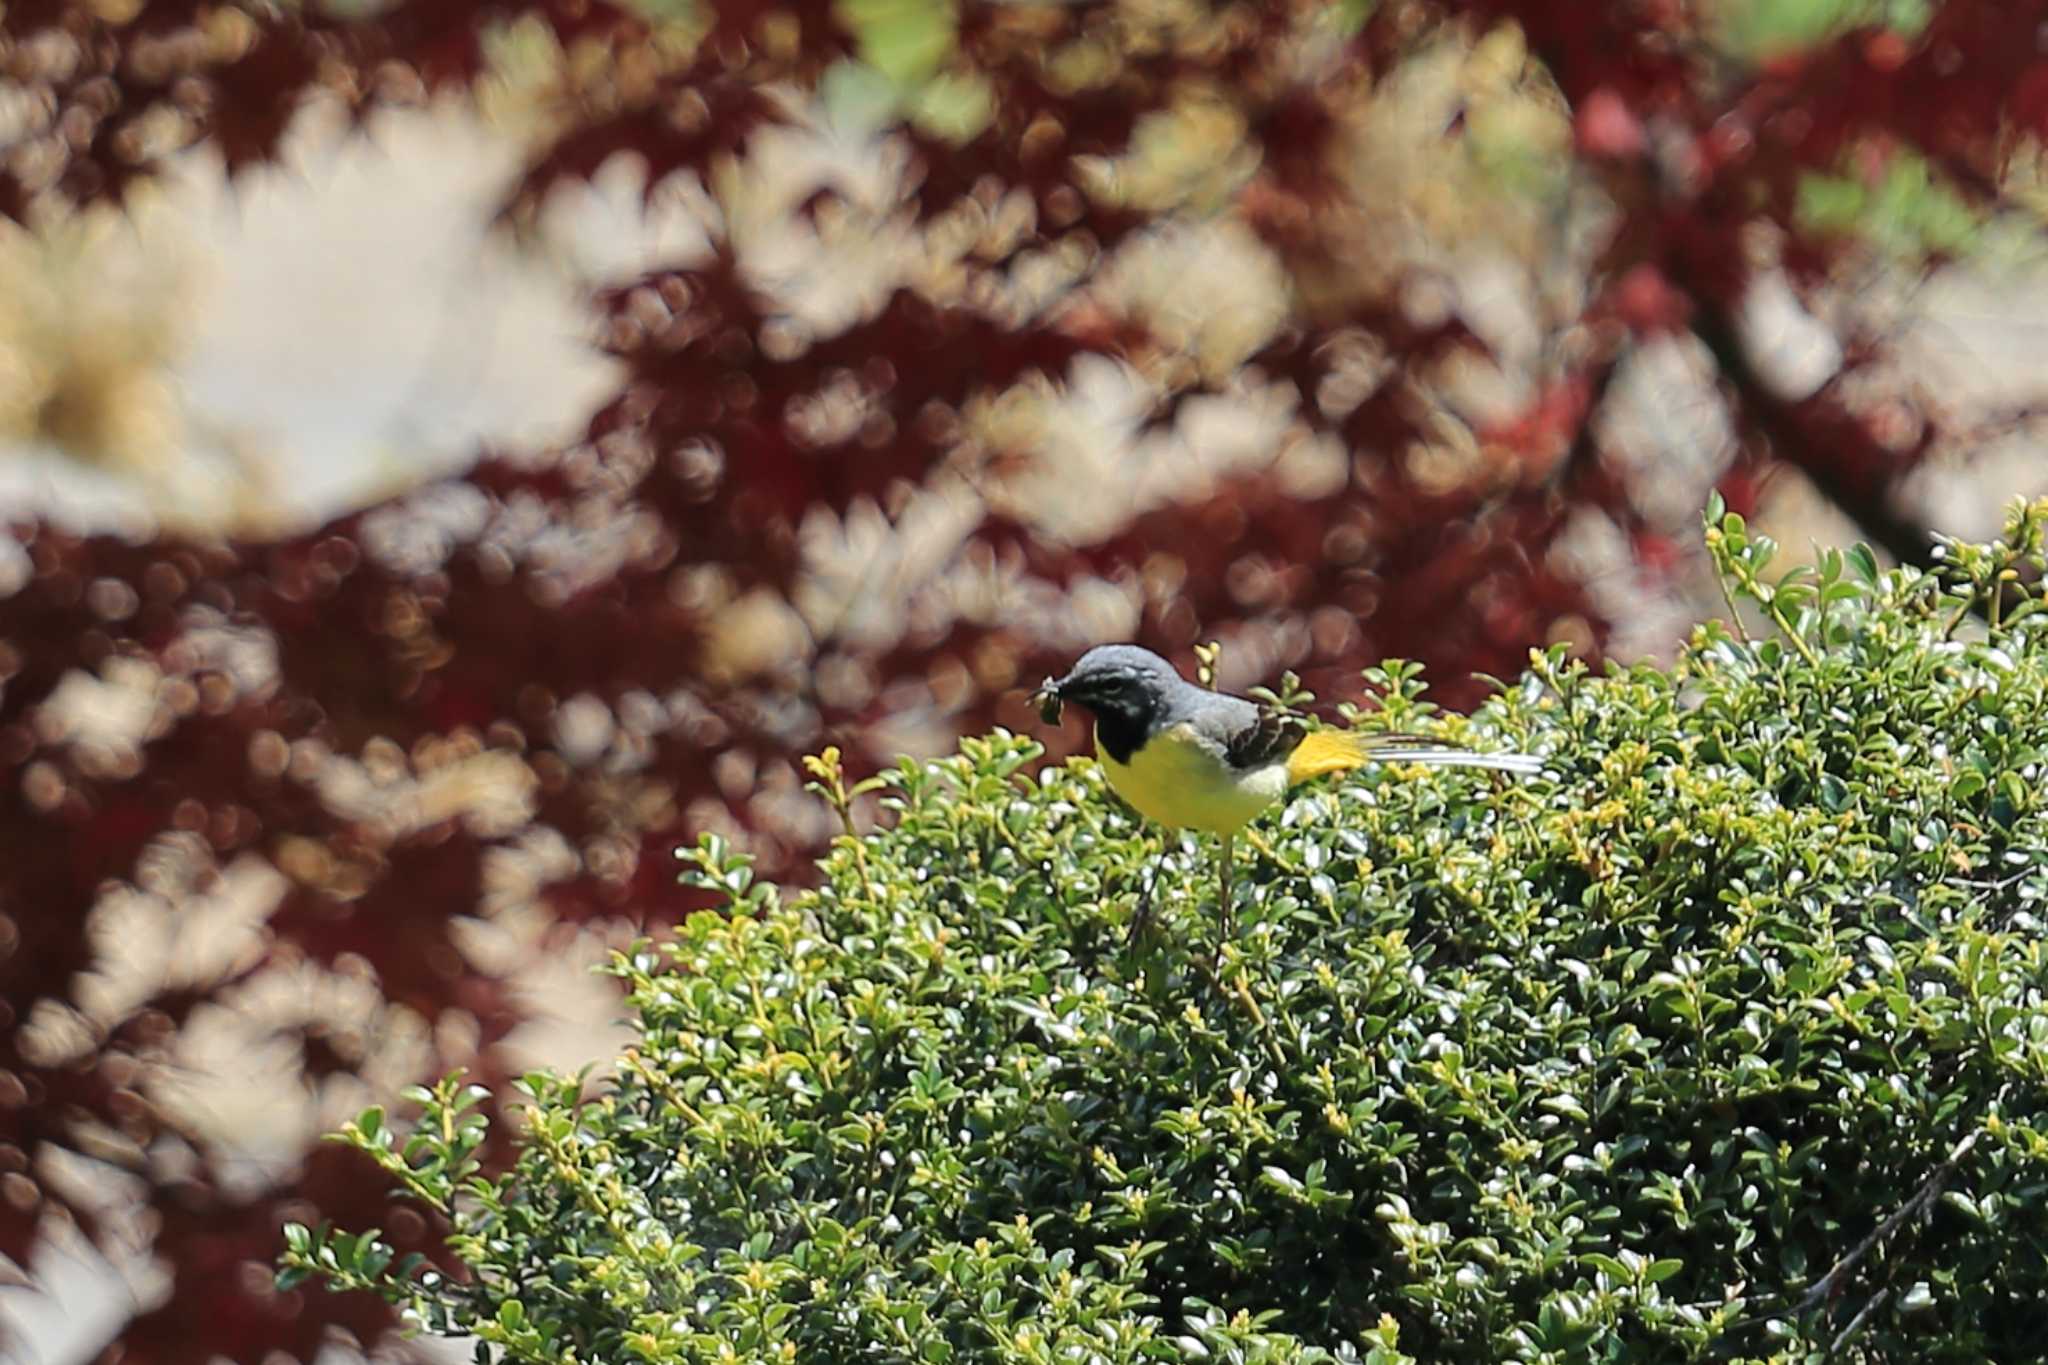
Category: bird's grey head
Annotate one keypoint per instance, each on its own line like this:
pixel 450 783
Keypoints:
pixel 1125 687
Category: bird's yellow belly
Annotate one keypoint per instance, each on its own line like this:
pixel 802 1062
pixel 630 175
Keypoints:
pixel 1176 780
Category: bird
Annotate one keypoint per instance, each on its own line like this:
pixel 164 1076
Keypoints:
pixel 1187 757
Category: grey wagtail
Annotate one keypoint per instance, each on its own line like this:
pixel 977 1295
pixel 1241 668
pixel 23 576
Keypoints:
pixel 1191 758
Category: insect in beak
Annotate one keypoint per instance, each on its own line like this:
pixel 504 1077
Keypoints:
pixel 1048 699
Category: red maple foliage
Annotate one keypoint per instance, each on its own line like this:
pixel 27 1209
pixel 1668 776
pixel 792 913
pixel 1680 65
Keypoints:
pixel 516 686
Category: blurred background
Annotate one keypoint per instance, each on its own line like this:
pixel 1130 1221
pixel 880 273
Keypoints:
pixel 452 453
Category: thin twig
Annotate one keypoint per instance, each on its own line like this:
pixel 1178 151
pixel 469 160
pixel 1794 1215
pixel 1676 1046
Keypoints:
pixel 1240 993
pixel 1856 1323
pixel 1270 854
pixel 1734 612
pixel 1827 1285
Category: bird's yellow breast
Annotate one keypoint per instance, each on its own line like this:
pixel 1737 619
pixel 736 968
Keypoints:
pixel 1178 780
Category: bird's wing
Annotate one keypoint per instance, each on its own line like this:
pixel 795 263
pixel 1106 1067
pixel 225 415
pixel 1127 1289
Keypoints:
pixel 1261 735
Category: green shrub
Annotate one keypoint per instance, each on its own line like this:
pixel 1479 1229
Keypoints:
pixel 1616 1064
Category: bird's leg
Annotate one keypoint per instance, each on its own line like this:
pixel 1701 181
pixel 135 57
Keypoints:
pixel 1223 905
pixel 1141 915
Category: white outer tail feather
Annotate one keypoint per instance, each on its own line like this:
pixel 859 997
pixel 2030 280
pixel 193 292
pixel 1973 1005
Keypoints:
pixel 1522 765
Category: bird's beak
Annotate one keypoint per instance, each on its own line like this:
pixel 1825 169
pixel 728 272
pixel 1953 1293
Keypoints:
pixel 1048 698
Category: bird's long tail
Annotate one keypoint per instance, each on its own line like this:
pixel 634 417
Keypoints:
pixel 1339 751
